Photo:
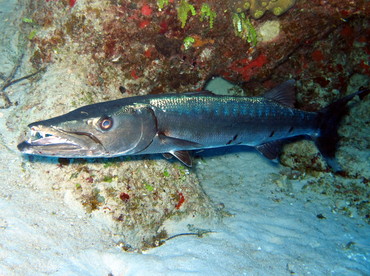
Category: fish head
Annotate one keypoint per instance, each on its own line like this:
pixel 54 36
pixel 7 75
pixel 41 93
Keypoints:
pixel 97 130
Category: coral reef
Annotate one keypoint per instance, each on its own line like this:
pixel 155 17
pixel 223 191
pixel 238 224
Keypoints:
pixel 122 39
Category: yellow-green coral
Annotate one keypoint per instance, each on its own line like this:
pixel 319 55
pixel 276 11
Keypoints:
pixel 183 11
pixel 240 6
pixel 259 7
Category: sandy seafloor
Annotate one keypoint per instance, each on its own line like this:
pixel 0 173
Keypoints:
pixel 268 232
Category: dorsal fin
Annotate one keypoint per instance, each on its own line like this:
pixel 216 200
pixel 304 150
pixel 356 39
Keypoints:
pixel 283 93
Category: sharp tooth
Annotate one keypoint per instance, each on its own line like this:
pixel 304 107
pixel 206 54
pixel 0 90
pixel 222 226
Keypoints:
pixel 33 132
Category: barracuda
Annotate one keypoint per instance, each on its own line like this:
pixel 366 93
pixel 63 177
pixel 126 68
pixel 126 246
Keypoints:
pixel 174 124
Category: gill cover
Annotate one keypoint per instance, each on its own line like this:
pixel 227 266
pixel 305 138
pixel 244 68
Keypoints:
pixel 131 131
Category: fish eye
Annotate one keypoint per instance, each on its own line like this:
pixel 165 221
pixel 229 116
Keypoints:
pixel 106 123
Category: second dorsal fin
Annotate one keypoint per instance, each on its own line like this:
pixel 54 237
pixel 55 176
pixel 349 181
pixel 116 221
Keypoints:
pixel 283 93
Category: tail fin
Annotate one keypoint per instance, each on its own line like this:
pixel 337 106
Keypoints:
pixel 329 124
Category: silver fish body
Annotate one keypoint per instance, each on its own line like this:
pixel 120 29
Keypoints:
pixel 212 121
pixel 173 124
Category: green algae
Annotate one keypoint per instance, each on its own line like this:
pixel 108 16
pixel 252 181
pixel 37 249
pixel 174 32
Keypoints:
pixel 207 12
pixel 244 28
pixel 183 12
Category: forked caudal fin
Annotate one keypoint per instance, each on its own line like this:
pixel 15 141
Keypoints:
pixel 330 118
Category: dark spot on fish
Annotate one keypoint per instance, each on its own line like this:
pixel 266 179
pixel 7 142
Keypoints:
pixel 291 129
pixel 232 140
pixel 272 133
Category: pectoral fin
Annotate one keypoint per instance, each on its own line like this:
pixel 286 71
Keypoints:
pixel 177 143
pixel 183 156
pixel 183 145
pixel 167 155
pixel 271 150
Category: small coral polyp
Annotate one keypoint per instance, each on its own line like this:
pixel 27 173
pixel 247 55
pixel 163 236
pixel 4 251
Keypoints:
pixel 259 7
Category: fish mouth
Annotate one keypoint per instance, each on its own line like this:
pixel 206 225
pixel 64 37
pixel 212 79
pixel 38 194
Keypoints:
pixel 52 141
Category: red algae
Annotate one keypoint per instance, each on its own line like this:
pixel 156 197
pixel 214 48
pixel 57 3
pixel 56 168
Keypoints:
pixel 72 3
pixel 146 10
pixel 143 24
pixel 124 196
pixel 181 201
pixel 247 68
